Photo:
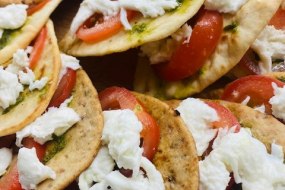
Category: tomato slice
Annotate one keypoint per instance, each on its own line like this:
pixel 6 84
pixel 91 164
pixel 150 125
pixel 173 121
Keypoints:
pixel 116 97
pixel 34 8
pixel 10 180
pixel 226 117
pixel 190 57
pixel 38 48
pixel 278 20
pixel 40 149
pixel 102 30
pixel 64 88
pixel 257 87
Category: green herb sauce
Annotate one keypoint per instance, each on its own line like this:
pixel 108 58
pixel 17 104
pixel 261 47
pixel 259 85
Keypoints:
pixel 231 28
pixel 56 145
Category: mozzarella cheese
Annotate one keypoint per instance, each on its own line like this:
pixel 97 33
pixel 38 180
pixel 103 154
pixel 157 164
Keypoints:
pixel 13 16
pixel 278 102
pixel 19 62
pixel 224 6
pixel 10 88
pixel 269 45
pixel 55 121
pixel 28 78
pixel 5 159
pixel 109 8
pixel 122 135
pixel 162 50
pixel 102 165
pixel 31 170
pixel 249 161
pixel 68 61
pixel 198 117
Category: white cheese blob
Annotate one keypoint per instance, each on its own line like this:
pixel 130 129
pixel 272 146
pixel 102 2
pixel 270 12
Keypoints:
pixel 68 61
pixel 5 159
pixel 277 151
pixel 13 16
pixel 31 170
pixel 19 62
pixel 162 50
pixel 249 161
pixel 116 181
pixel 277 102
pixel 109 8
pixel 10 88
pixel 28 78
pixel 102 165
pixel 122 135
pixel 269 45
pixel 224 6
pixel 198 117
pixel 55 121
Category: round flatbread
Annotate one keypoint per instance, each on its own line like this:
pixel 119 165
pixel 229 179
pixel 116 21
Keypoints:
pixel 248 22
pixel 22 37
pixel 31 104
pixel 143 30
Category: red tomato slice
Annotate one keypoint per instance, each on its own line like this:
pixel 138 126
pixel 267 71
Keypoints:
pixel 102 30
pixel 190 57
pixel 116 97
pixel 40 149
pixel 257 87
pixel 64 88
pixel 38 48
pixel 34 8
pixel 10 180
pixel 226 117
pixel 278 20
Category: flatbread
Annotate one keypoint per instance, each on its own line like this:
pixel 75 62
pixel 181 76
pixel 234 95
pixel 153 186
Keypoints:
pixel 153 29
pixel 176 158
pixel 32 104
pixel 251 19
pixel 83 139
pixel 24 36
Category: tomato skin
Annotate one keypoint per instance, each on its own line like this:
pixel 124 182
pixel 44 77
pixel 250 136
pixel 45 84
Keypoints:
pixel 257 87
pixel 190 57
pixel 38 48
pixel 64 88
pixel 116 97
pixel 31 143
pixel 103 30
pixel 10 180
pixel 34 8
pixel 278 20
pixel 226 117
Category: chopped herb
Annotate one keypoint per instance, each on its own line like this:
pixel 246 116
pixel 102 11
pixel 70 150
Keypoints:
pixel 139 28
pixel 231 28
pixel 56 145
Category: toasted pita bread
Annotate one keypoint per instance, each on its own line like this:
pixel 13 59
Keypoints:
pixel 176 158
pixel 31 105
pixel 153 29
pixel 82 140
pixel 251 19
pixel 22 37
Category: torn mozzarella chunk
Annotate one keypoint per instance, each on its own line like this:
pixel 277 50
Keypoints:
pixel 68 61
pixel 10 88
pixel 31 170
pixel 28 78
pixel 277 151
pixel 116 181
pixel 162 50
pixel 102 165
pixel 198 117
pixel 277 102
pixel 269 45
pixel 122 136
pixel 19 62
pixel 13 16
pixel 108 8
pixel 5 159
pixel 249 161
pixel 224 6
pixel 55 121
